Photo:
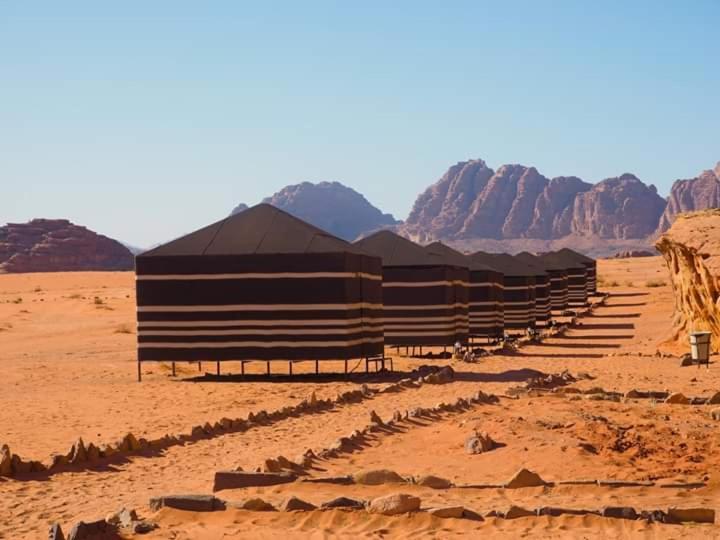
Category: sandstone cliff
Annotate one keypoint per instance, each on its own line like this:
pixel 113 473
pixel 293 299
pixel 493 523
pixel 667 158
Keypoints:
pixel 55 245
pixel 691 248
pixel 332 207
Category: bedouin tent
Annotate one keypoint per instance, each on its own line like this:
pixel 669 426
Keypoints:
pixel 543 312
pixel 557 278
pixel 577 276
pixel 589 263
pixel 258 285
pixel 485 292
pixel 422 304
pixel 518 288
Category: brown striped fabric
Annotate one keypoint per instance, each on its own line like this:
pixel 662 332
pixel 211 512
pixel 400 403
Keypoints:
pixel 556 276
pixel 425 299
pixel 578 284
pixel 259 285
pixel 590 265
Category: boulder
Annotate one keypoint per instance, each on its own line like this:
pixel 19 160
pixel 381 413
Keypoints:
pixel 696 515
pixel 193 503
pixel 375 419
pixel 443 376
pixel 525 478
pixel 677 399
pixel 392 505
pixel 245 479
pixel 447 512
pixel 293 504
pixel 91 530
pixel 378 477
pixel 343 502
pixel 257 504
pixel 515 512
pixel 479 443
pixel 686 360
pixel 122 518
pixel 434 482
pixel 78 453
pixel 5 461
pixel 715 413
pixel 619 512
pixel 714 399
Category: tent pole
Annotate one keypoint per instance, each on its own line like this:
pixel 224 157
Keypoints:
pixel 199 366
pixel 317 367
pixel 346 367
pixel 173 367
pixel 290 366
pixel 267 362
pixel 218 367
pixel 242 367
pixel 139 372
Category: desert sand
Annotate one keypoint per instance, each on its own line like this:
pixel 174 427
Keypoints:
pixel 69 371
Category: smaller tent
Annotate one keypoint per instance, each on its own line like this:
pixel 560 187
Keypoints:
pixel 589 263
pixel 576 275
pixel 518 289
pixel 485 292
pixel 558 279
pixel 424 296
pixel 542 291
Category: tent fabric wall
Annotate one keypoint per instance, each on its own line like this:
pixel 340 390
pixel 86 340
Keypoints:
pixel 244 301
pixel 557 279
pixel 577 276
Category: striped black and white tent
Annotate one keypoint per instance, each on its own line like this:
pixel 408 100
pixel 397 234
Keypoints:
pixel 258 285
pixel 485 292
pixel 558 279
pixel 589 263
pixel 518 289
pixel 576 275
pixel 543 312
pixel 423 298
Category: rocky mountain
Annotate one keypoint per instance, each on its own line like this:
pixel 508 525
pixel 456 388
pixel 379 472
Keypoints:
pixel 692 194
pixel 55 245
pixel 332 207
pixel 239 208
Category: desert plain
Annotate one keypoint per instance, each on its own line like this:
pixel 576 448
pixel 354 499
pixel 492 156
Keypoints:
pixel 67 343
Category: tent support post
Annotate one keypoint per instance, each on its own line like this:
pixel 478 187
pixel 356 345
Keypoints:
pixel 317 367
pixel 173 368
pixel 199 366
pixel 218 367
pixel 242 367
pixel 346 367
pixel 267 365
pixel 290 366
pixel 139 372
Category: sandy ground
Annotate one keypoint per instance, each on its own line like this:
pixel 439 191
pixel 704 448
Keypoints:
pixel 69 371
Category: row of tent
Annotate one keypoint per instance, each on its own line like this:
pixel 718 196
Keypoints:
pixel 264 285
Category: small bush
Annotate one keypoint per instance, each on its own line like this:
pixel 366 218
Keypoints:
pixel 629 284
pixel 123 329
pixel 98 301
pixel 17 301
pixel 38 289
pixel 655 283
pixel 75 296
pixel 613 283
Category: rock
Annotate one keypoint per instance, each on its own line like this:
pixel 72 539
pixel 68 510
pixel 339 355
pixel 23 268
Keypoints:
pixel 92 452
pixel 686 360
pixel 271 466
pixel 515 512
pixel 696 515
pixel 56 532
pixel 193 503
pixel 122 518
pixel 55 245
pixel 714 399
pixel 91 530
pixel 143 527
pixel 378 477
pixel 392 505
pixel 375 419
pixel 691 249
pixel 525 478
pixel 77 454
pixel 443 376
pixel 654 516
pixel 434 482
pixel 332 207
pixel 244 479
pixel 257 505
pixel 677 399
pixel 689 195
pixel 343 502
pixel 619 512
pixel 633 394
pixel 339 480
pixel 479 443
pixel 715 413
pixel 5 460
pixel 447 512
pixel 293 504
pixel 555 511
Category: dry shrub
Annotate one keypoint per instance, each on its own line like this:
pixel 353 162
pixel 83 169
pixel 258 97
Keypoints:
pixel 629 284
pixel 655 283
pixel 124 329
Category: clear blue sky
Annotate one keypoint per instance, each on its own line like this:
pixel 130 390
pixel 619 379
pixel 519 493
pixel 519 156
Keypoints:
pixel 147 119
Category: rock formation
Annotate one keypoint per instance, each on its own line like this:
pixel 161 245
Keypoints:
pixel 692 194
pixel 332 207
pixel 55 245
pixel 691 248
pixel 239 208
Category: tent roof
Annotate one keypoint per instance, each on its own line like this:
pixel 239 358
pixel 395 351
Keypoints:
pixel 535 260
pixel 262 229
pixel 578 256
pixel 394 250
pixel 562 259
pixel 456 258
pixel 507 264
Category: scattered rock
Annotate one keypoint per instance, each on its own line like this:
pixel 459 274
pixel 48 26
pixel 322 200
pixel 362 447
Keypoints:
pixel 56 532
pixel 343 502
pixel 715 413
pixel 91 530
pixel 193 503
pixel 515 512
pixel 338 480
pixel 555 511
pixel 375 419
pixel 378 477
pixel 686 360
pixel 244 479
pixel 525 478
pixel 257 504
pixel 479 443
pixel 392 505
pixel 677 399
pixel 447 512
pixel 434 482
pixel 122 518
pixel 143 527
pixel 293 504
pixel 5 461
pixel 696 515
pixel 77 454
pixel 714 399
pixel 619 512
pixel 443 376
